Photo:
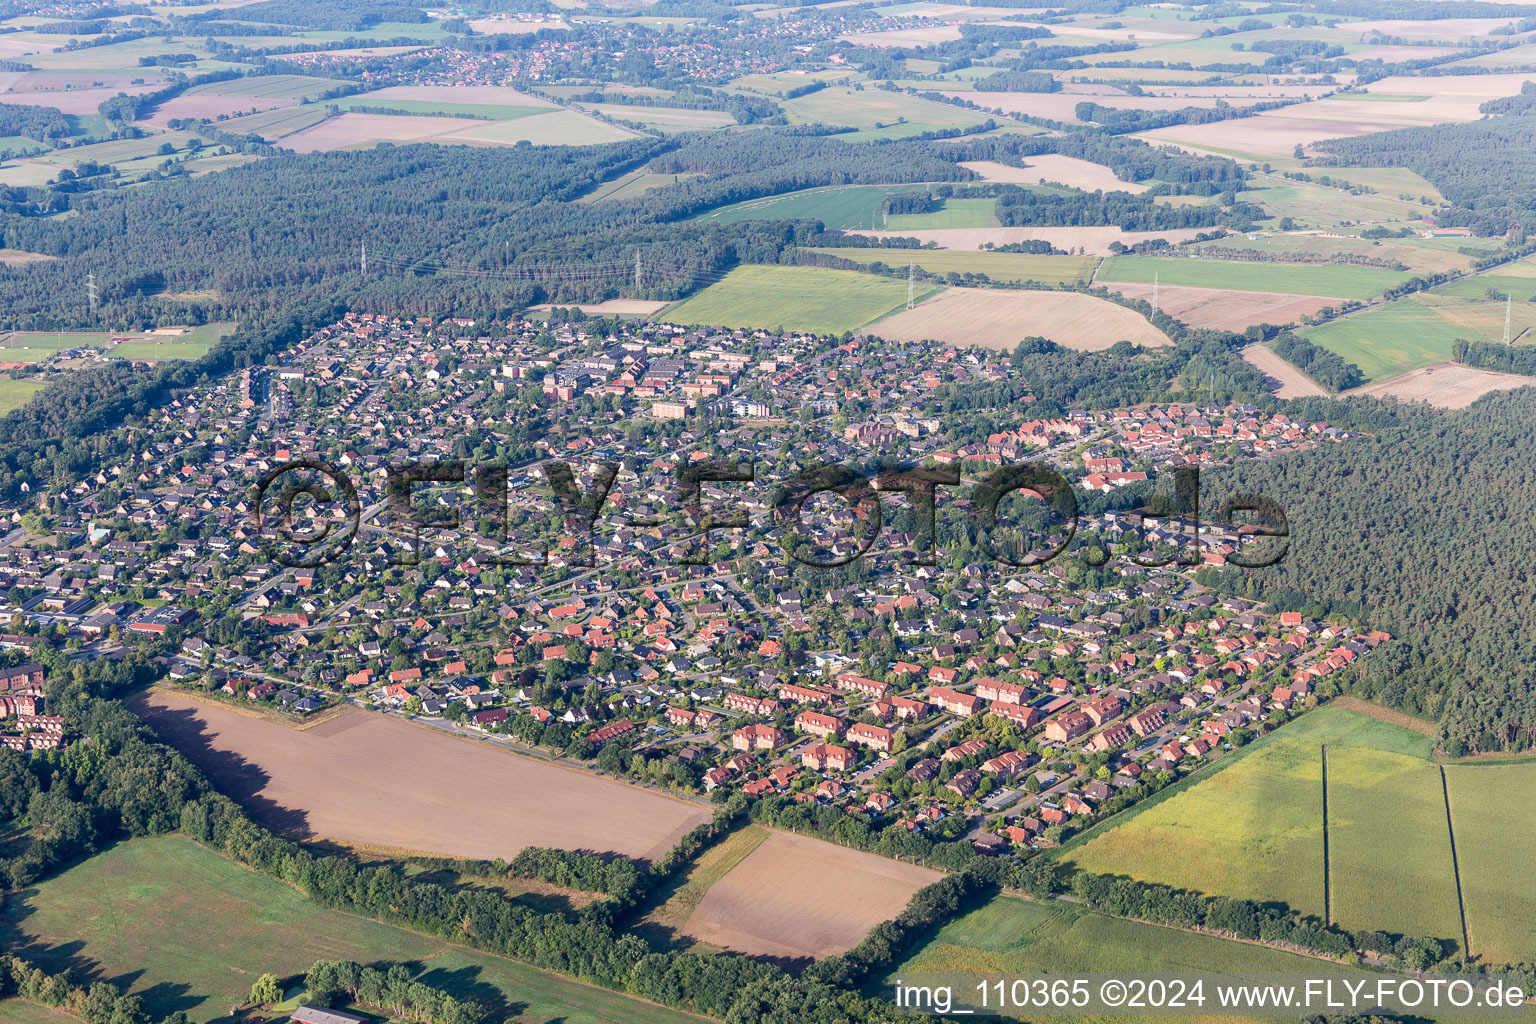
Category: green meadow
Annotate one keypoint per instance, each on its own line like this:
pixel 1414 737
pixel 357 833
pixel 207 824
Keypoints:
pixel 795 298
pixel 189 930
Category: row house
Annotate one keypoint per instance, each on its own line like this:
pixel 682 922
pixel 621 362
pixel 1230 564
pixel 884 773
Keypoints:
pixel 853 683
pixel 823 756
pixel 955 702
pixel 874 737
pixel 818 724
pixel 758 737
pixel 999 691
pixel 764 706
pixel 1068 727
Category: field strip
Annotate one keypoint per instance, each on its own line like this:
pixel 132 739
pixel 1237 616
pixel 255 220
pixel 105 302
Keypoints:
pixel 1327 877
pixel 1461 902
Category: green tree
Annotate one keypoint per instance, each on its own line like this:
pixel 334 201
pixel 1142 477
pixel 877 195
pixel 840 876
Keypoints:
pixel 266 991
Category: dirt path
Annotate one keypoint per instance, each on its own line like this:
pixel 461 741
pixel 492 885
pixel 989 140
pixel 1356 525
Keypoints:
pixel 1293 383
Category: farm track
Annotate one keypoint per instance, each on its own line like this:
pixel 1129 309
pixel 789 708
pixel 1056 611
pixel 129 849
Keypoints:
pixel 1461 902
pixel 1327 876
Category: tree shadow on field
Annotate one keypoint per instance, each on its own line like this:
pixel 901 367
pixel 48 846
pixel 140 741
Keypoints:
pixel 464 983
pixel 231 773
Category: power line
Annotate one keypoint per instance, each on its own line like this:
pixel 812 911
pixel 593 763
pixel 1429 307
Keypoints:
pixel 911 283
pixel 90 289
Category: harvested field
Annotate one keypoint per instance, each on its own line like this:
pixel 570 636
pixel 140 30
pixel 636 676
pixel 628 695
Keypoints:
pixel 1092 240
pixel 358 130
pixel 556 128
pixel 292 87
pixel 1290 380
pixel 1408 101
pixel 280 123
pixel 1444 385
pixel 1001 319
pixel 1050 167
pixel 1223 309
pixel 874 108
pixel 1062 106
pixel 20 257
pixel 1309 279
pixel 797 897
pixel 666 117
pixel 366 778
pixel 487 95
pixel 209 108
pixel 73 101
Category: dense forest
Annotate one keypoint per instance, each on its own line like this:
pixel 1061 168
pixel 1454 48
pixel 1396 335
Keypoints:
pixel 40 123
pixel 507 231
pixel 1483 168
pixel 1422 531
pixel 1329 369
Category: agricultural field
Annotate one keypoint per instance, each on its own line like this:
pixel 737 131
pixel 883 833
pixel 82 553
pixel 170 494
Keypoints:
pixel 795 298
pixel 360 130
pixel 1250 827
pixel 492 102
pixel 1491 814
pixel 556 128
pixel 779 83
pixel 409 787
pixel 947 213
pixel 367 101
pixel 189 930
pixel 1225 309
pixel 1394 102
pixel 677 901
pixel 1338 282
pixel 1418 330
pixel 997 266
pixel 666 119
pixel 1011 936
pixel 276 124
pixel 632 185
pixel 288 87
pixel 1289 381
pixel 1414 253
pixel 876 108
pixel 1053 168
pixel 1445 385
pixel 1093 240
pixel 1327 208
pixel 20 1011
pixel 796 897
pixel 999 319
pixel 1389 809
pixel 16 393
